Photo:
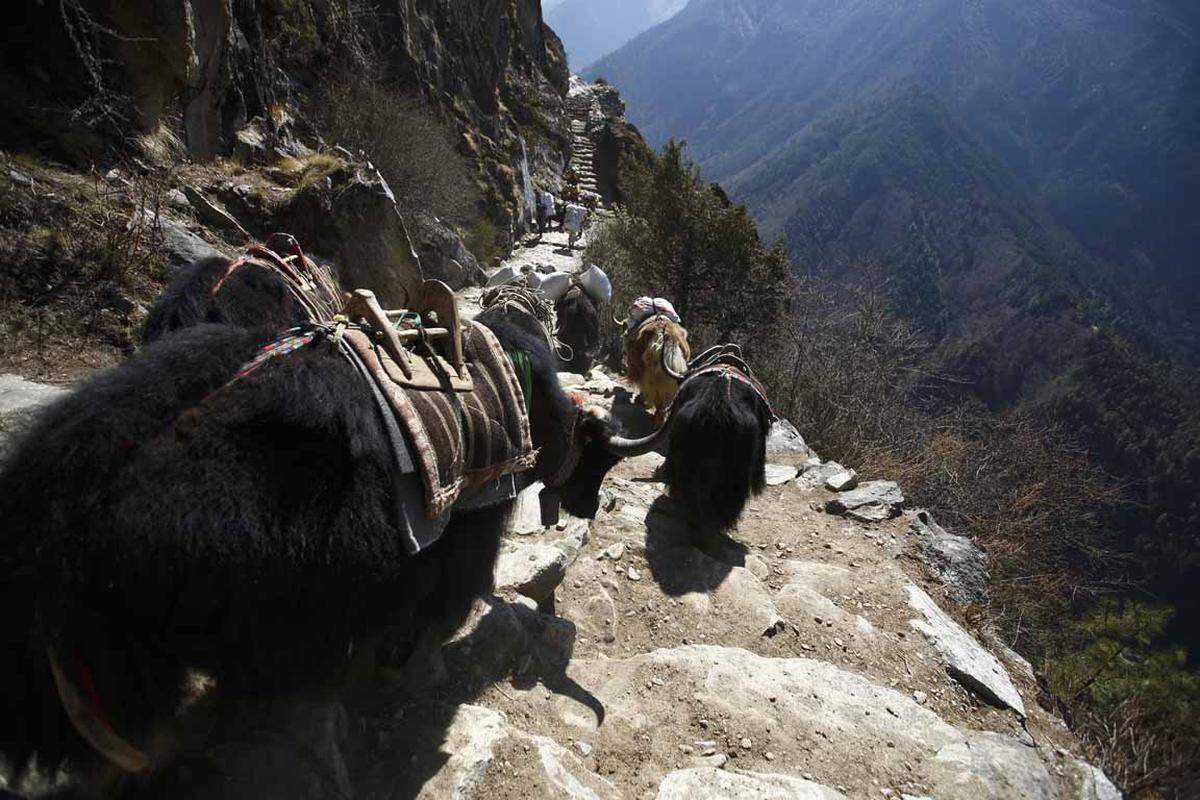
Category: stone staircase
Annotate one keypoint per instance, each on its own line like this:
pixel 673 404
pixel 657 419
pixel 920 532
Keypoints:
pixel 581 106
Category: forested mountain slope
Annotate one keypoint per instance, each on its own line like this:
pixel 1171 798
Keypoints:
pixel 1091 106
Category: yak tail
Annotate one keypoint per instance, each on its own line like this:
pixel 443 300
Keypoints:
pixel 717 452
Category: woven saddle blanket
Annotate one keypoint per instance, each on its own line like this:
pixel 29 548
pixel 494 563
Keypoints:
pixel 461 440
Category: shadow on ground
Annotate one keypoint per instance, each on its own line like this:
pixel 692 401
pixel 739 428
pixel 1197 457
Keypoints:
pixel 679 562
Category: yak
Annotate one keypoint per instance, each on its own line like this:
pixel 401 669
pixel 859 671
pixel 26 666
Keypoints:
pixel 254 296
pixel 716 434
pixel 578 329
pixel 249 292
pixel 176 517
pixel 656 356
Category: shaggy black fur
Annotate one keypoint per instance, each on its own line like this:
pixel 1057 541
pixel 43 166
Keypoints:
pixel 581 495
pixel 717 454
pixel 160 519
pixel 253 296
pixel 579 329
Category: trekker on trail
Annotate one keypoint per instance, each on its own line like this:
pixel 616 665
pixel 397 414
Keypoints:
pixel 575 219
pixel 545 211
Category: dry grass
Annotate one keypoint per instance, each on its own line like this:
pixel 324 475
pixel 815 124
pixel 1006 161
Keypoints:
pixel 79 255
pixel 412 148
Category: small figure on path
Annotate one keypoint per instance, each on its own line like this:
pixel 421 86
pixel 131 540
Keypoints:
pixel 545 211
pixel 575 219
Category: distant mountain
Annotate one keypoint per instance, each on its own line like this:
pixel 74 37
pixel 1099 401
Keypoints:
pixel 1094 107
pixel 593 28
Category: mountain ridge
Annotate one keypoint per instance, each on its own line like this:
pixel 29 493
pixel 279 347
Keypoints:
pixel 590 30
pixel 1090 130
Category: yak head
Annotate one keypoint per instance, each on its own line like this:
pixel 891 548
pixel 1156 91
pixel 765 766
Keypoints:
pixel 580 493
pixel 574 458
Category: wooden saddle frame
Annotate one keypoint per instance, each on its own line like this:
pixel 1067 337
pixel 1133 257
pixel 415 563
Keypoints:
pixel 427 355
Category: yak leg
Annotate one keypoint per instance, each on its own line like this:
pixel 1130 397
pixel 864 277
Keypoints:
pixel 462 563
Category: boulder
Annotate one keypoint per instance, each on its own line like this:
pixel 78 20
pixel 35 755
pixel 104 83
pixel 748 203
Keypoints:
pixel 956 561
pixel 784 439
pixel 181 247
pixel 716 592
pixel 20 401
pixel 815 476
pixel 214 216
pixel 707 783
pixel 481 745
pixel 1096 785
pixel 443 254
pixel 874 501
pixel 536 569
pixel 374 250
pixel 963 657
pixel 348 215
pixel 779 474
pixel 843 481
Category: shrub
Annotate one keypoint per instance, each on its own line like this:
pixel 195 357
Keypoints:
pixel 412 148
pixel 677 238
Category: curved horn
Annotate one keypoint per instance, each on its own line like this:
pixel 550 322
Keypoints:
pixel 620 322
pixel 667 367
pixel 631 448
pixel 90 725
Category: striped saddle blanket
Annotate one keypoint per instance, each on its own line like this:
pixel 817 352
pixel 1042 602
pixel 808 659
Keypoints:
pixel 459 440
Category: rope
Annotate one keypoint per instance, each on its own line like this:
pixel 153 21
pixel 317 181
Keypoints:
pixel 531 302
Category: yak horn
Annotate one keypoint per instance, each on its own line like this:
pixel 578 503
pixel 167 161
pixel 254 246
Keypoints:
pixel 631 448
pixel 620 322
pixel 679 376
pixel 90 726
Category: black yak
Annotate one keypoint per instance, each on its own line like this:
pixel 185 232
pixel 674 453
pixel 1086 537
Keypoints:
pixel 164 523
pixel 258 290
pixel 717 449
pixel 578 329
pixel 716 434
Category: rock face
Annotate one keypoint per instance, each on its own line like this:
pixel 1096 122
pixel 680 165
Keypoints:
pixel 965 659
pixel 874 501
pixel 235 74
pixel 957 562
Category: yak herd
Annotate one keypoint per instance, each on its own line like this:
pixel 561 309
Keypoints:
pixel 203 524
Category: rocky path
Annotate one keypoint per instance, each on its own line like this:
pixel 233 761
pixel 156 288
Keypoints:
pixel 808 658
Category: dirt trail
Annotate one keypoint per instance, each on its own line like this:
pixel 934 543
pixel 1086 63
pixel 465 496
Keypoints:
pixel 803 658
